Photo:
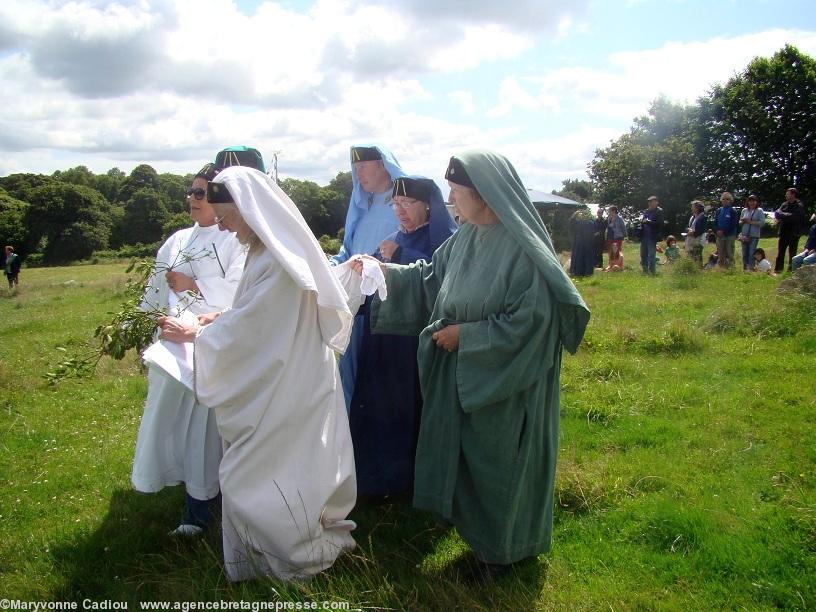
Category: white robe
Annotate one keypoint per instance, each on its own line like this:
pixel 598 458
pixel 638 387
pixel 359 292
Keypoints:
pixel 178 439
pixel 287 475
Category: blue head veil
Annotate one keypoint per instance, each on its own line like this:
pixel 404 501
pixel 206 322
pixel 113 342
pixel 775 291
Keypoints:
pixel 358 204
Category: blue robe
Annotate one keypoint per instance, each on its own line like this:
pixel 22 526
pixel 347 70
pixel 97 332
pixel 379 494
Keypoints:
pixel 387 403
pixel 363 236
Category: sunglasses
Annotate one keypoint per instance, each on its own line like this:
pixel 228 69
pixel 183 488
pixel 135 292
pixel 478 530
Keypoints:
pixel 198 193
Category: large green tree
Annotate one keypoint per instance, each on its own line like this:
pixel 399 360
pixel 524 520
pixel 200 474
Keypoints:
pixel 314 203
pixel 659 156
pixel 760 130
pixel 13 228
pixel 71 220
pixel 143 176
pixel 145 214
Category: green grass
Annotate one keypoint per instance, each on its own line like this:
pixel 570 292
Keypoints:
pixel 685 480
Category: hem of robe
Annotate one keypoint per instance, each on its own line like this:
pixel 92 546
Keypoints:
pixel 502 555
pixel 169 398
pixel 149 487
pixel 256 565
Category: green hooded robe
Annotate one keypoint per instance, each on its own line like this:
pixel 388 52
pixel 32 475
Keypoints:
pixel 488 438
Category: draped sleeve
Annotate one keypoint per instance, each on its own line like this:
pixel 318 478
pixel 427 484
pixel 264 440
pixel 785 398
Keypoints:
pixel 508 351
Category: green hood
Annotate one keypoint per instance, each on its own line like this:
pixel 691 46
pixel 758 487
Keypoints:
pixel 500 186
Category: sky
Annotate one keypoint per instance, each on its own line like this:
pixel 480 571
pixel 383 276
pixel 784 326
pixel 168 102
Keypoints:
pixel 545 82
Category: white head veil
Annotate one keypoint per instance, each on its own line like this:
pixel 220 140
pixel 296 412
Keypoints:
pixel 279 225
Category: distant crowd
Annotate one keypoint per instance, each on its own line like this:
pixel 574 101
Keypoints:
pixel 607 231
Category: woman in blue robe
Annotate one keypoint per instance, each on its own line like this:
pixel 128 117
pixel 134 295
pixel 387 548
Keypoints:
pixel 387 403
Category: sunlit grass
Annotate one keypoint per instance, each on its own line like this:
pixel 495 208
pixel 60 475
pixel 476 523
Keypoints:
pixel 685 480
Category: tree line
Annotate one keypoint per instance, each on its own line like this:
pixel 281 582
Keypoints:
pixel 70 214
pixel 755 134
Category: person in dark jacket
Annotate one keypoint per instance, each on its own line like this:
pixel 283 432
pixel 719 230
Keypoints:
pixel 11 265
pixel 790 218
pixel 651 233
pixel 600 237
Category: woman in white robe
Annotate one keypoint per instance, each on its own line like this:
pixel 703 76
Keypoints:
pixel 267 367
pixel 197 271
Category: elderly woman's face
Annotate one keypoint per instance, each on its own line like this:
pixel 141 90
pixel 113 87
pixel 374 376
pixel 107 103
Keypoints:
pixel 410 212
pixel 201 210
pixel 467 203
pixel 229 219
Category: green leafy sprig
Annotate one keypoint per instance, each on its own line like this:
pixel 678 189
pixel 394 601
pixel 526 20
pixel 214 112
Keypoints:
pixel 132 327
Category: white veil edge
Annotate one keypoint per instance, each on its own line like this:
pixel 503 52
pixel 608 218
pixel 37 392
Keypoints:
pixel 278 223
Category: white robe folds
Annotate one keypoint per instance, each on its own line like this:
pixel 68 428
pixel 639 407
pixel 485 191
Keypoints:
pixel 287 475
pixel 178 439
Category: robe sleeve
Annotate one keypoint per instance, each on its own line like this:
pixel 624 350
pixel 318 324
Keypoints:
pixel 509 351
pixel 412 292
pixel 218 290
pixel 243 351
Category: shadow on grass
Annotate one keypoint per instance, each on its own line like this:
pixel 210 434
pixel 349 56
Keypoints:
pixel 404 560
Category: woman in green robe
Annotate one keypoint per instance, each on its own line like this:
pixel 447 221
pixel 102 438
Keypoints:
pixel 492 310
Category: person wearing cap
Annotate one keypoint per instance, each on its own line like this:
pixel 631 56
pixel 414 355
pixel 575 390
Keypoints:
pixel 808 256
pixel 651 233
pixel 493 310
pixel 197 271
pixel 752 218
pixel 386 405
pixel 790 218
pixel 368 221
pixel 267 367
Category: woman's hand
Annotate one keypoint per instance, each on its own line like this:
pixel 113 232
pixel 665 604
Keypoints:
pixel 388 248
pixel 180 282
pixel 206 319
pixel 447 338
pixel 176 330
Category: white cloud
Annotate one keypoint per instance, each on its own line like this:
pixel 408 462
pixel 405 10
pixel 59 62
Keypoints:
pixel 680 71
pixel 463 100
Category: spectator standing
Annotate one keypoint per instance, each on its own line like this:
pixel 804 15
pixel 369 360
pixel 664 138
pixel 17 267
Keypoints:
pixel 615 232
pixel 12 267
pixel 651 233
pixel 696 232
pixel 790 217
pixel 752 219
pixel 726 229
pixel 808 256
pixel 600 237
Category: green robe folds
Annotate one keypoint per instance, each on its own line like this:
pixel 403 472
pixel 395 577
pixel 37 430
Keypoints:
pixel 488 437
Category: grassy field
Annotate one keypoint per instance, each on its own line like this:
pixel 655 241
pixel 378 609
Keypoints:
pixel 685 480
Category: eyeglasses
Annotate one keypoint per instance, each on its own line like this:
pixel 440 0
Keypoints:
pixel 198 193
pixel 406 205
pixel 219 220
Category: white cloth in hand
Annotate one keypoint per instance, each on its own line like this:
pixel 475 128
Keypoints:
pixel 373 279
pixel 350 281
